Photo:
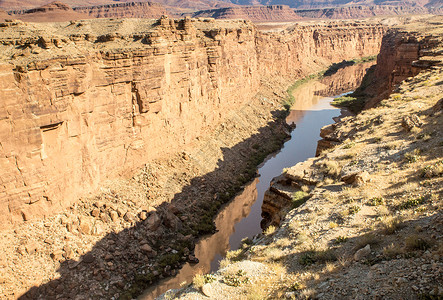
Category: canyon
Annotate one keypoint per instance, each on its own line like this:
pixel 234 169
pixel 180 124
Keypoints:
pixel 118 99
pixel 149 119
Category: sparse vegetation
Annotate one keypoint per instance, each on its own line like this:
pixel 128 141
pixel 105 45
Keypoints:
pixel 331 168
pixel 310 257
pixel 199 280
pixel 412 202
pixel 270 230
pixel 298 198
pixel 416 242
pixel 391 224
pixel 236 279
pixel 352 103
pixel 354 209
pixel 412 157
pixel 375 201
pixel 367 239
pixel 340 239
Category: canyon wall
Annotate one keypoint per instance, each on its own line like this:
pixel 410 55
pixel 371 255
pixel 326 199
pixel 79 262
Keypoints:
pixel 402 55
pixel 97 99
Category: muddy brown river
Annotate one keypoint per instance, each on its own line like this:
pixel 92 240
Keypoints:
pixel 241 217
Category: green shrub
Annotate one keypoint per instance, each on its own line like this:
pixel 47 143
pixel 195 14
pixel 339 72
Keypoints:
pixel 375 201
pixel 298 198
pixel 410 203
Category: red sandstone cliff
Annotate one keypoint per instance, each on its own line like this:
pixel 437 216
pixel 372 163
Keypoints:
pixel 133 90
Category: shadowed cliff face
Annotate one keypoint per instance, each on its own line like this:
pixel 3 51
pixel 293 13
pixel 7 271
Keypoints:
pixel 111 95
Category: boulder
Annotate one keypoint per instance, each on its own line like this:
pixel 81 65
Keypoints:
pixel 153 221
pixel 357 178
pixel 409 122
pixel 362 253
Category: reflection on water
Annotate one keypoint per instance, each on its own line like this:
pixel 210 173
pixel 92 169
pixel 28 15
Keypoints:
pixel 211 249
pixel 242 216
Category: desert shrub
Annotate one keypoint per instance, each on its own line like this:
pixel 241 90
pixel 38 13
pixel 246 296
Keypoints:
pixel 317 256
pixel 340 239
pixel 413 202
pixel 390 225
pixel 200 280
pixel 354 209
pixel 392 251
pixel 236 279
pixel 411 157
pixel 433 170
pixel 298 198
pixel 375 201
pixel 416 242
pixel 366 239
pixel 331 168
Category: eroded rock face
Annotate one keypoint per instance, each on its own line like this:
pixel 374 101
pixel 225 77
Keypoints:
pixel 95 100
pixel 402 55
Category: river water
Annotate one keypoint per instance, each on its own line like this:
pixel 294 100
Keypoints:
pixel 241 217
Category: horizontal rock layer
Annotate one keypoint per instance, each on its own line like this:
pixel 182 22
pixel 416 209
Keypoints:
pixel 253 13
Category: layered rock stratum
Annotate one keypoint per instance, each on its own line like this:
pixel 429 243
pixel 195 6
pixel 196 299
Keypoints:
pixel 253 13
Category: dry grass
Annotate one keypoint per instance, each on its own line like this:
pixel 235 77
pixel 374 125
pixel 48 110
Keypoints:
pixel 367 239
pixel 270 230
pixel 331 168
pixel 390 224
pixel 417 242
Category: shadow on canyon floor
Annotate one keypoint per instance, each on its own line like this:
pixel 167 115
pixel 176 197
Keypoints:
pixel 156 247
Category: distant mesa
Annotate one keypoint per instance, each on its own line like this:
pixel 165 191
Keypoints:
pixel 253 13
pixel 148 10
pixel 52 12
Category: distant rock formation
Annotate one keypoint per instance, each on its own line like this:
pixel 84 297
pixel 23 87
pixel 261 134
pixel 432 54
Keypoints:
pixel 353 12
pixel 253 13
pixel 53 12
pixel 58 12
pixel 124 10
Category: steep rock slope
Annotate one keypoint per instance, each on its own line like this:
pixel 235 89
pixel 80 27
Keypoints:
pixel 402 55
pixel 61 12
